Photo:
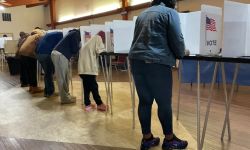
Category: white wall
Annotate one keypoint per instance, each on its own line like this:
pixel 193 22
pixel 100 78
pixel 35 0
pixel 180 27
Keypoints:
pixel 68 9
pixel 24 19
pixel 100 20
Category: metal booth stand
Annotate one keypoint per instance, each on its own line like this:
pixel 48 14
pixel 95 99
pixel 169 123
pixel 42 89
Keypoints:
pixel 106 65
pixel 218 61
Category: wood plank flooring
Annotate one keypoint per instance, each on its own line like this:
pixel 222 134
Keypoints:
pixel 24 144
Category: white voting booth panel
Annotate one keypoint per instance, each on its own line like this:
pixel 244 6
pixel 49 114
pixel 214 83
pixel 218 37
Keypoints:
pixel 123 35
pixel 202 30
pixel 109 37
pixel 191 29
pixel 85 34
pixel 88 31
pixel 211 30
pixel 96 28
pixel 3 39
pixel 236 29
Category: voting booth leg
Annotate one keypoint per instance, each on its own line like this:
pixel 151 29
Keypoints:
pixel 107 75
pixel 209 104
pixel 198 106
pixel 71 76
pixel 105 79
pixel 227 118
pixel 111 85
pixel 132 92
pixel 179 92
pixel 224 86
pixel 38 73
pixel 2 60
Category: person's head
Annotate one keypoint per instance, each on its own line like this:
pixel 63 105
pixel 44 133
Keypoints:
pixel 87 36
pixel 22 34
pixel 102 35
pixel 168 3
pixel 5 35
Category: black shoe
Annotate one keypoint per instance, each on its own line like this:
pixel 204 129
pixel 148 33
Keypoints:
pixel 175 143
pixel 148 143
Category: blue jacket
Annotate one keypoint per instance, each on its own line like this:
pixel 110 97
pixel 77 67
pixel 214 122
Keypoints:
pixel 48 42
pixel 157 36
pixel 70 44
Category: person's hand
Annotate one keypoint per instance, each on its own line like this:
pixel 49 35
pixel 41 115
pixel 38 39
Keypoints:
pixel 187 52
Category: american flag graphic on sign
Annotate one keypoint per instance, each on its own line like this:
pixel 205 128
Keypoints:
pixel 210 24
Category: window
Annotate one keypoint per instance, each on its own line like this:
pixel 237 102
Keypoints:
pixel 6 16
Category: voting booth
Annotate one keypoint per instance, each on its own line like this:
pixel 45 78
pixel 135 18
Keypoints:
pixel 202 30
pixel 2 41
pixel 236 29
pixel 85 32
pixel 98 30
pixel 88 31
pixel 109 37
pixel 123 35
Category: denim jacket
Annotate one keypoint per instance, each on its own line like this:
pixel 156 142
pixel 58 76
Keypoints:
pixel 157 36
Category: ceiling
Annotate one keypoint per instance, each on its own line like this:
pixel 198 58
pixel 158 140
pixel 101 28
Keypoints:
pixel 28 3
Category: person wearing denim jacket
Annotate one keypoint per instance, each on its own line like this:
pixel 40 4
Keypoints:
pixel 157 43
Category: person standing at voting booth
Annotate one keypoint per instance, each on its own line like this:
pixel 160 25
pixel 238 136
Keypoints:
pixel 88 69
pixel 157 43
pixel 60 56
pixel 44 49
pixel 28 59
pixel 23 76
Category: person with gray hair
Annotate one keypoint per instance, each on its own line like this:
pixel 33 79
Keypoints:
pixel 157 43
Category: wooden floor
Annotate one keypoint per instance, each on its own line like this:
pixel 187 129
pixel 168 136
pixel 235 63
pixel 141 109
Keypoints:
pixel 24 144
pixel 120 123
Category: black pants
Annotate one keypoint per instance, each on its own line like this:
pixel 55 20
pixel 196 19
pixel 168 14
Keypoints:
pixel 28 69
pixel 153 82
pixel 23 73
pixel 90 85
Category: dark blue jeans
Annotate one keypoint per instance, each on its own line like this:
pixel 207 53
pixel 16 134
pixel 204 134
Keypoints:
pixel 48 68
pixel 153 82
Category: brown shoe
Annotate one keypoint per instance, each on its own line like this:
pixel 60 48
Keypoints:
pixel 102 107
pixel 34 90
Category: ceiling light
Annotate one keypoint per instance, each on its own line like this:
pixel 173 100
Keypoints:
pixel 1 8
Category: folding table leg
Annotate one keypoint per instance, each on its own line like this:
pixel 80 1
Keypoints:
pixel 111 85
pixel 105 79
pixel 179 92
pixel 132 92
pixel 108 81
pixel 227 118
pixel 209 104
pixel 198 106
